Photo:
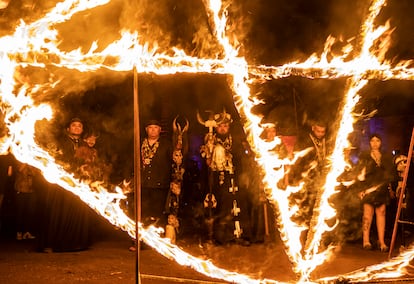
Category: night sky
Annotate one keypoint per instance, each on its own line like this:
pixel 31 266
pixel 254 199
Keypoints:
pixel 271 32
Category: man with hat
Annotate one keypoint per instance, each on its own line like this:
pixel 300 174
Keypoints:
pixel 67 218
pixel 156 161
pixel 71 141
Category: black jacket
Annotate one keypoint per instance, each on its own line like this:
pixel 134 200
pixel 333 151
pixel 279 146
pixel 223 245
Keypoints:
pixel 158 173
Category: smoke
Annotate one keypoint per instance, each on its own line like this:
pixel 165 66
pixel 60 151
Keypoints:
pixel 12 12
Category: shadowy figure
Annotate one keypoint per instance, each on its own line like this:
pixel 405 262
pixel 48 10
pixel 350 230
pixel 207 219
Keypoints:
pixel 25 201
pixel 68 218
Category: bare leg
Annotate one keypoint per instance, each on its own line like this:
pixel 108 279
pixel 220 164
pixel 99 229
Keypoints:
pixel 368 214
pixel 380 215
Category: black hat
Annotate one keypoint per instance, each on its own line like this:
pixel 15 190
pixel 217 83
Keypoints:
pixel 153 122
pixel 75 119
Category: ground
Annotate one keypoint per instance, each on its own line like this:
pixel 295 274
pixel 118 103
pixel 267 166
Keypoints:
pixel 109 261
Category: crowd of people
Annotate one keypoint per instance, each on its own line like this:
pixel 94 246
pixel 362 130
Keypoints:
pixel 221 197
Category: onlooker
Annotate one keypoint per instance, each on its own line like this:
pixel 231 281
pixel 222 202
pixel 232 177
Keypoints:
pixel 70 142
pixel 25 201
pixel 67 228
pixel 407 205
pixel 90 165
pixel 376 168
pixel 6 172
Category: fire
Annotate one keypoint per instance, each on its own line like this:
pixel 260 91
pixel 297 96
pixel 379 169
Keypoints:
pixel 36 44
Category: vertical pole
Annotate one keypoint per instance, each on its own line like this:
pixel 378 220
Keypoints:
pixel 266 220
pixel 296 111
pixel 137 176
pixel 401 196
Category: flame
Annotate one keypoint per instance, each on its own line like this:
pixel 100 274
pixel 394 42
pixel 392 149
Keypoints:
pixel 37 45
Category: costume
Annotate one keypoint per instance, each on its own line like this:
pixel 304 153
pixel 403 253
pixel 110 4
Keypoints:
pixel 225 202
pixel 378 176
pixel 155 179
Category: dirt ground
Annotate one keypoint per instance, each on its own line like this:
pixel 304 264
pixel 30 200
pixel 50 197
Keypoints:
pixel 109 261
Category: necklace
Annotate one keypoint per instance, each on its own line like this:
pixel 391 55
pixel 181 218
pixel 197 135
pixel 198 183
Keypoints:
pixel 148 151
pixel 319 147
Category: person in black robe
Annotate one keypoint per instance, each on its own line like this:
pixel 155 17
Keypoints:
pixel 67 217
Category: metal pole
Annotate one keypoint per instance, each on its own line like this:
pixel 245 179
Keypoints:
pixel 137 175
pixel 400 200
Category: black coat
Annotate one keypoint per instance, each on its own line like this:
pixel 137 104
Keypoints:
pixel 158 173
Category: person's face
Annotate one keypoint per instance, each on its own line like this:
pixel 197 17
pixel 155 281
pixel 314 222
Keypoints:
pixel 75 128
pixel 223 128
pixel 91 141
pixel 401 166
pixel 375 143
pixel 153 131
pixel 319 131
pixel 270 133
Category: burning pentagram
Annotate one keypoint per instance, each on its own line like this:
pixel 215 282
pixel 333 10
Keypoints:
pixel 36 45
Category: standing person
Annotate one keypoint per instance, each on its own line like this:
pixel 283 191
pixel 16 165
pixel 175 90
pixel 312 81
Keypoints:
pixel 67 228
pixel 156 159
pixel 156 172
pixel 314 160
pixel 91 166
pixel 407 208
pixel 6 172
pixel 317 142
pixel 225 203
pixel 261 211
pixel 311 170
pixel 25 201
pixel 377 169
